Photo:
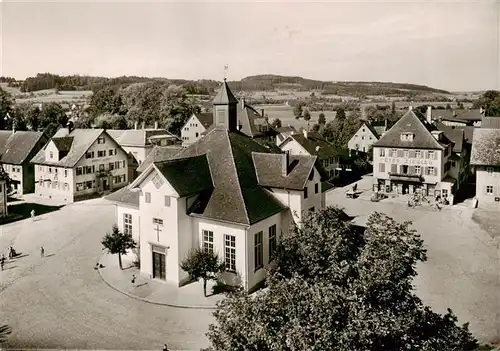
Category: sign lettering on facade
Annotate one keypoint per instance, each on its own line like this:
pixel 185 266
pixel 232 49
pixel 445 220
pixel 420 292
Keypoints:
pixel 407 161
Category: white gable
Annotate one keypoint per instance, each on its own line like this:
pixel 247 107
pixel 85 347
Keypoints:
pixel 153 181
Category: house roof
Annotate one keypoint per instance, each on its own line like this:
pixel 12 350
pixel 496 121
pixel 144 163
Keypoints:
pixel 16 147
pixel 269 172
pixel 125 196
pixel 82 141
pixel 371 128
pixel 314 145
pixel 236 195
pixel 461 115
pixel 286 129
pixel 470 114
pixel 136 137
pixel 206 119
pixel 468 133
pixel 188 176
pixel 410 123
pixel 453 134
pixel 379 129
pixel 486 147
pixel 158 154
pixel 491 122
pixel 224 95
pixel 63 143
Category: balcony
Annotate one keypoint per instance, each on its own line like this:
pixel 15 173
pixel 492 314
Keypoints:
pixel 416 178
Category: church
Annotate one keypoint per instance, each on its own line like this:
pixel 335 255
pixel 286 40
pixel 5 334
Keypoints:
pixel 224 193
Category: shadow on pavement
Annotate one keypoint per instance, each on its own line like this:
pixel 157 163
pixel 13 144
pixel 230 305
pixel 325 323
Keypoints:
pixel 49 255
pixel 7 268
pixel 23 210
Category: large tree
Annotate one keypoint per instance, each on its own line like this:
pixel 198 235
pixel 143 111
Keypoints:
pixel 339 131
pixel 117 242
pixel 297 110
pixel 202 264
pixel 53 113
pixel 333 287
pixel 490 101
pixel 322 118
pixel 6 103
pixel 276 123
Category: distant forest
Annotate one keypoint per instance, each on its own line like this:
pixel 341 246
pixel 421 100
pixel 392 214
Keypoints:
pixel 206 87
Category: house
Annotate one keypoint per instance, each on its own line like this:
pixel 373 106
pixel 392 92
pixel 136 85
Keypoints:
pixel 195 126
pixel 490 122
pixel 224 193
pixel 485 157
pixel 140 142
pixel 249 122
pixel 460 157
pixel 16 150
pixel 458 118
pixel 306 143
pixel 414 156
pixel 283 133
pixel 366 135
pixel 4 177
pixel 77 163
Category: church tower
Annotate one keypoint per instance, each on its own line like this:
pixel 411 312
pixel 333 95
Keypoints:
pixel 225 109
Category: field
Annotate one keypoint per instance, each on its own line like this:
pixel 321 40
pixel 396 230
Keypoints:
pixel 285 114
pixel 48 95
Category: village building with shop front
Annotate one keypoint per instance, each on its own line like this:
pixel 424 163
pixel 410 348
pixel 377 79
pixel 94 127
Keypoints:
pixel 415 157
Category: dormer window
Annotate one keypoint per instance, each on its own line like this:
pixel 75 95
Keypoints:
pixel 407 136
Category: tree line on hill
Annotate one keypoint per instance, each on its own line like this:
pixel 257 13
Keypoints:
pixel 253 83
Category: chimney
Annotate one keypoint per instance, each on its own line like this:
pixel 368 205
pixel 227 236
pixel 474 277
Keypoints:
pixel 385 125
pixel 305 133
pixel 285 161
pixel 262 112
pixel 428 114
pixel 410 107
pixel 156 125
pixel 13 127
pixel 481 110
pixel 242 100
pixel 70 127
pixel 143 125
pixel 135 125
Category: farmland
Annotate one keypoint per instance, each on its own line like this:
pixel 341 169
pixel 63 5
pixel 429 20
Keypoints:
pixel 48 95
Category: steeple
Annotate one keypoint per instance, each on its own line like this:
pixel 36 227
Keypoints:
pixel 225 108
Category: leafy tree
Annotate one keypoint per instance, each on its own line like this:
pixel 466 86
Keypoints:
pixel 340 131
pixel 322 118
pixel 106 100
pixel 306 115
pixel 5 331
pixel 335 287
pixel 490 101
pixel 297 110
pixel 448 106
pixel 6 103
pixel 276 123
pixel 340 115
pixel 199 263
pixel 53 113
pixel 117 242
pixel 316 127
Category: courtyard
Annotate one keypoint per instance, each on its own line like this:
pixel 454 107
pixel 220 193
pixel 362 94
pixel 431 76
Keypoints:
pixel 462 270
pixel 61 302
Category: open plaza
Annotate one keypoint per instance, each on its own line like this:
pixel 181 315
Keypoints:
pixel 61 301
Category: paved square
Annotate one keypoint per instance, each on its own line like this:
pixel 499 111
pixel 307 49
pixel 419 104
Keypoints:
pixel 60 302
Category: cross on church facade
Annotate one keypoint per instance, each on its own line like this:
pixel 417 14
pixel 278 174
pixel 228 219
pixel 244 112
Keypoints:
pixel 158 230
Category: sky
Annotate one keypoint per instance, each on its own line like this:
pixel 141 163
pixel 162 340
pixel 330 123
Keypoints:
pixel 452 45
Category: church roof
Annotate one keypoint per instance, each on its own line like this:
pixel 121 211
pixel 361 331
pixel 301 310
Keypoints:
pixel 269 172
pixel 16 147
pixel 158 154
pixel 125 196
pixel 224 96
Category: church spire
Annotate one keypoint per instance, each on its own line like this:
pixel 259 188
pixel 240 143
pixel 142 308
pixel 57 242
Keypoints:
pixel 225 108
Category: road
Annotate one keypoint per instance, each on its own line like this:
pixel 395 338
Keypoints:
pixel 60 302
pixel 463 262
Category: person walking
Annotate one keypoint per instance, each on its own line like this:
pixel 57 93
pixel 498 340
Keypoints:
pixel 42 252
pixel 33 215
pixel 2 261
pixel 165 347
